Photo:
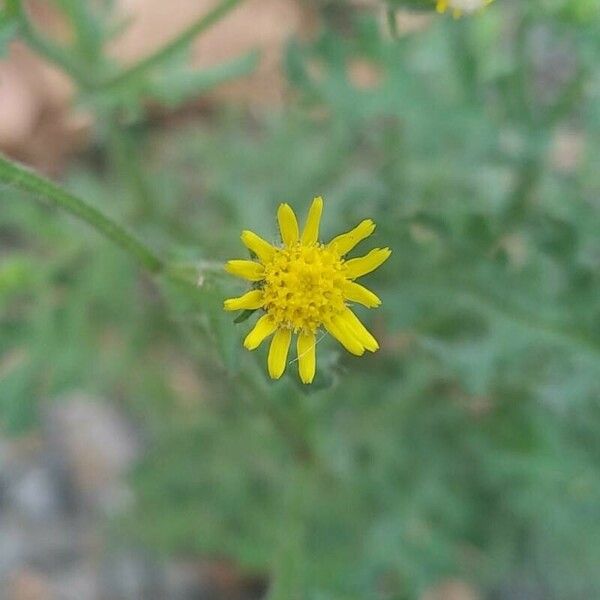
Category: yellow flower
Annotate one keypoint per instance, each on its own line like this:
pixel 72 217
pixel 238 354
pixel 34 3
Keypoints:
pixel 305 285
pixel 459 7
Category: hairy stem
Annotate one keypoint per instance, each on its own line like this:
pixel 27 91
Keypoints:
pixel 290 567
pixel 23 178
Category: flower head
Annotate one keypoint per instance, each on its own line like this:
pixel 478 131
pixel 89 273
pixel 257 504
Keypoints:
pixel 303 286
pixel 458 7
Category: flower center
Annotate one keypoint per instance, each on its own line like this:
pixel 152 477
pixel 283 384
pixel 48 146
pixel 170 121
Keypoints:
pixel 303 286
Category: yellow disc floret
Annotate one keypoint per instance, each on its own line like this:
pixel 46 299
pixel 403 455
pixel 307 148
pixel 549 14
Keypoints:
pixel 304 287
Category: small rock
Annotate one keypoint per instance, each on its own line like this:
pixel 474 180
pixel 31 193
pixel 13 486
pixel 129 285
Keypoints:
pixel 47 545
pixel 128 575
pixel 79 582
pixel 97 447
pixel 12 548
pixel 35 494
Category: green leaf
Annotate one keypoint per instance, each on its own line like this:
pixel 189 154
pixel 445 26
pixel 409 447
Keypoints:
pixel 244 316
pixel 89 27
pixel 176 87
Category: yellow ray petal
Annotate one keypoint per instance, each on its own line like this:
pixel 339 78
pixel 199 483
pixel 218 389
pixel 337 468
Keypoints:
pixel 343 335
pixel 264 327
pixel 357 267
pixel 288 224
pixel 360 332
pixel 358 293
pixel 442 5
pixel 246 269
pixel 345 242
pixel 278 352
pixel 311 230
pixel 256 244
pixel 307 360
pixel 249 301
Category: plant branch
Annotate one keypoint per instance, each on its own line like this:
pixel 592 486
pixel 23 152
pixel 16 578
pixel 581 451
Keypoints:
pixel 23 178
pixel 392 22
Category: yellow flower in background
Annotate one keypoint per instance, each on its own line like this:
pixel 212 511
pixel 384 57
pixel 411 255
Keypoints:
pixel 458 7
pixel 305 285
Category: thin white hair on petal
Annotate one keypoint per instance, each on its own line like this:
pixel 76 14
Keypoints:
pixel 307 350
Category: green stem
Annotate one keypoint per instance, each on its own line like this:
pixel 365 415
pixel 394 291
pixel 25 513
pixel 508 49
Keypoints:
pixel 127 166
pixel 390 14
pixel 14 174
pixel 299 446
pixel 173 47
pixel 527 178
pixel 289 568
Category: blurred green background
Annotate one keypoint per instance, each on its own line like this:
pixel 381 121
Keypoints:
pixel 463 457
